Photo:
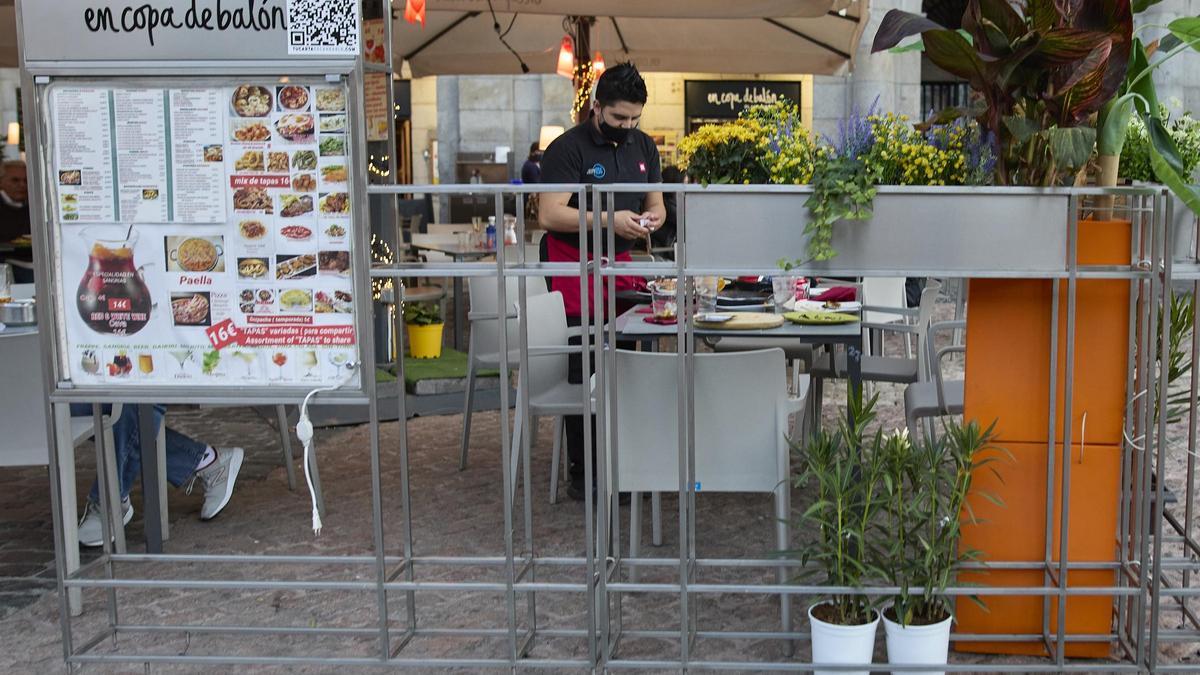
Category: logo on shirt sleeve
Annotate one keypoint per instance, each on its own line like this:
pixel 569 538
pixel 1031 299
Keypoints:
pixel 597 171
pixel 642 167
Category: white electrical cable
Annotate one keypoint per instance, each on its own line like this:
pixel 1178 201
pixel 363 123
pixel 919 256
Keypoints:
pixel 304 431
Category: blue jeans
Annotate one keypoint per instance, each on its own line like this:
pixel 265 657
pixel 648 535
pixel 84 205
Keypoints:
pixel 183 453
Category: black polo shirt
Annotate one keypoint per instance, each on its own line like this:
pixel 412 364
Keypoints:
pixel 584 155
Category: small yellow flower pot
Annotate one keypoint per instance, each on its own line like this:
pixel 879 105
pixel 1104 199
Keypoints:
pixel 425 342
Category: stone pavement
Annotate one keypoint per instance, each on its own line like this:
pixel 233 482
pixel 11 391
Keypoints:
pixel 454 513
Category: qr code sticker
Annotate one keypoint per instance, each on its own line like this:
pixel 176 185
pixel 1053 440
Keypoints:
pixel 323 27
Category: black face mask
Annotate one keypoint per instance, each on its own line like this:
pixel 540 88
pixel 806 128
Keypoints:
pixel 615 134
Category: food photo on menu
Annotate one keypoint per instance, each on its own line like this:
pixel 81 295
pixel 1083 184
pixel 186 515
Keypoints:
pixel 334 263
pixel 252 269
pixel 331 99
pixel 252 230
pixel 296 233
pixel 295 266
pixel 292 98
pixel 333 173
pixel 296 127
pixel 277 161
pixel 335 204
pixel 191 309
pixel 251 101
pixel 195 254
pixel 295 300
pixel 294 205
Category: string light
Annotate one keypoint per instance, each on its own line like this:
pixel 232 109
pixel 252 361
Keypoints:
pixel 586 77
pixel 378 170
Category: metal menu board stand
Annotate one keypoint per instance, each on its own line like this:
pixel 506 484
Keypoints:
pixel 198 204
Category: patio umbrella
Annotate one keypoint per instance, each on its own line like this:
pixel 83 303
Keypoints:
pixel 460 37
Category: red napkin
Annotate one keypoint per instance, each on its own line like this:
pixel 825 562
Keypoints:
pixel 644 310
pixel 661 322
pixel 837 294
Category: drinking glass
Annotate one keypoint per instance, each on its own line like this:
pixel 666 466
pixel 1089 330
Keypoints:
pixel 706 293
pixel 181 357
pixel 279 359
pixel 6 282
pixel 308 359
pixel 783 291
pixel 146 363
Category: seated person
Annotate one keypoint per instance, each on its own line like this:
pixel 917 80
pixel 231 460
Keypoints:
pixel 187 459
pixel 14 220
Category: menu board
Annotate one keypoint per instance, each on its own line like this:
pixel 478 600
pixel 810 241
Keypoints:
pixel 204 233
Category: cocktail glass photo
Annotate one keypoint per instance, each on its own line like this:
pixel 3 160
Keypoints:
pixel 181 357
pixel 247 358
pixel 279 359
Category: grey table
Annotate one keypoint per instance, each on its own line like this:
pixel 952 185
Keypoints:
pixel 633 324
pixel 459 253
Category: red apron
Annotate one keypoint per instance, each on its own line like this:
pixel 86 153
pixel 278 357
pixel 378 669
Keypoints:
pixel 558 250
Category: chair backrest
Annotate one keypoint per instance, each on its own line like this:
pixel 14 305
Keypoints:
pixel 485 333
pixel 740 414
pixel 882 292
pixel 925 308
pixel 546 317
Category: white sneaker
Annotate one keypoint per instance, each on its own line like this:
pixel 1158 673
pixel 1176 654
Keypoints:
pixel 218 479
pixel 91 528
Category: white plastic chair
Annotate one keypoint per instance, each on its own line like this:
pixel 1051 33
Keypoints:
pixel 741 411
pixel 935 396
pixel 483 346
pixel 550 393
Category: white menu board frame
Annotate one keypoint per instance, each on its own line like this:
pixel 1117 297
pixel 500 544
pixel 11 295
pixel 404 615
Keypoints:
pixel 308 314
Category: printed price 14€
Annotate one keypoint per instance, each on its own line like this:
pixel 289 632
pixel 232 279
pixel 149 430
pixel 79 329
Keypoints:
pixel 222 334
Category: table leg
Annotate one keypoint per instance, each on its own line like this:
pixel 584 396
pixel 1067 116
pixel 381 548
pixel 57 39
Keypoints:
pixel 460 314
pixel 151 499
pixel 853 374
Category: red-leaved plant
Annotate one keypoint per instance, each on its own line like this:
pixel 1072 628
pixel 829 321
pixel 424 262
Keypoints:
pixel 1043 68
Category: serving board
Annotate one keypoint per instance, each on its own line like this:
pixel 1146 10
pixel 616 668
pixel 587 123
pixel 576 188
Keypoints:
pixel 746 321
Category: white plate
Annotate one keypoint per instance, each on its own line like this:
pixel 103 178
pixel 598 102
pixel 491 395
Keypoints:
pixel 818 306
pixel 714 317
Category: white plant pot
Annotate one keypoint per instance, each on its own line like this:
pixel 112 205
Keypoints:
pixel 918 645
pixel 832 644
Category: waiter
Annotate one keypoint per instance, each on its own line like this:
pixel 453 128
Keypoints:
pixel 606 148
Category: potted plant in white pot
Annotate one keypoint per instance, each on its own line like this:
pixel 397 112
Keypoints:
pixel 844 472
pixel 925 490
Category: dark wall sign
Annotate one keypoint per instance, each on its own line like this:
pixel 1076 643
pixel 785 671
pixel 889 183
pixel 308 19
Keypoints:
pixel 727 98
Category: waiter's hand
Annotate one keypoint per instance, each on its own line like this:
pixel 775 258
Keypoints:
pixel 628 225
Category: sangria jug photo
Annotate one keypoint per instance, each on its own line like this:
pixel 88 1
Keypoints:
pixel 113 297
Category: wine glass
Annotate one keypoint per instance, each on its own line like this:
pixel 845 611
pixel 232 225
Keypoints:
pixel 279 359
pixel 181 356
pixel 308 359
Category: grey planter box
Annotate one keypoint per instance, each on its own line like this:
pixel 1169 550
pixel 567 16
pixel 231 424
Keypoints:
pixel 984 231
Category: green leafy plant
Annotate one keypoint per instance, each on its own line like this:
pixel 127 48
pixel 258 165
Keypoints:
pixel 421 314
pixel 1135 155
pixel 1043 67
pixel 925 494
pixel 844 473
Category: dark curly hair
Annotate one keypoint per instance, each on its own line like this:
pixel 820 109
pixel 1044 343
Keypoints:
pixel 621 82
